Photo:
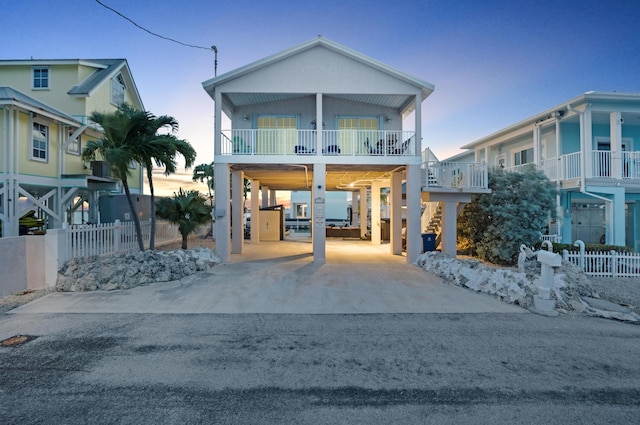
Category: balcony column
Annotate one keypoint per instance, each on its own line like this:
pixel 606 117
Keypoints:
pixel 615 126
pixel 375 213
pixel 319 118
pixel 364 212
pixel 586 138
pixel 237 209
pixel 354 208
pixel 217 123
pixel 396 213
pixel 255 211
pixel 414 204
pixel 318 218
pixel 222 228
pixel 537 132
pixel 418 124
pixel 265 196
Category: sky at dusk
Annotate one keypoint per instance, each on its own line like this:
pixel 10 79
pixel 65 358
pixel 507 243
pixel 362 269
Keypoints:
pixel 493 62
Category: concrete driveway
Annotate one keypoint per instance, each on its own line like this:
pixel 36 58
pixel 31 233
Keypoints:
pixel 280 277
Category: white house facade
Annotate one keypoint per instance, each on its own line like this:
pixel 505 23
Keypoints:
pixel 320 117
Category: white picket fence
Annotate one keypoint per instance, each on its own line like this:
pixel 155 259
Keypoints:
pixel 605 264
pixel 110 238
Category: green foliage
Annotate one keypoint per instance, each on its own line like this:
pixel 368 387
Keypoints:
pixel 516 211
pixel 186 209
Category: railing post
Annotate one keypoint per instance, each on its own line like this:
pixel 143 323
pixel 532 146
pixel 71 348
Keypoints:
pixel 580 244
pixel 117 230
pixel 614 263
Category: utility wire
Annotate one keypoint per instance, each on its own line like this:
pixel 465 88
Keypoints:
pixel 153 33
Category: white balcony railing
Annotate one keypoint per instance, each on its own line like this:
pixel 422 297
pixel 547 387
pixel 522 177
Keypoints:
pixel 456 175
pixel 603 165
pixel 303 142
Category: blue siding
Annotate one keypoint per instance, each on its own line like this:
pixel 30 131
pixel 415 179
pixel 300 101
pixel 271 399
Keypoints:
pixel 570 138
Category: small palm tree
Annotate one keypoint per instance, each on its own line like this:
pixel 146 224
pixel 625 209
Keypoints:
pixel 162 149
pixel 186 209
pixel 204 173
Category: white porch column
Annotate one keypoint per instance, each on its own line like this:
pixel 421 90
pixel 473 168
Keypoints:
pixel 418 124
pixel 615 125
pixel 364 213
pixel 319 126
pixel 318 217
pixel 223 223
pixel 396 213
pixel 237 221
pixel 255 211
pixel 587 137
pixel 217 123
pixel 375 213
pixel 449 223
pixel 265 196
pixel 272 198
pixel 413 189
pixel 354 209
pixel 537 133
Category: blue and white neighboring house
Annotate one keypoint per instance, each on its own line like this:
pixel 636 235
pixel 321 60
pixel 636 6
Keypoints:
pixel 590 147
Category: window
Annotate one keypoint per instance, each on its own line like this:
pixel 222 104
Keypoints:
pixel 358 132
pixel 301 210
pixel 40 142
pixel 523 157
pixel 40 77
pixel 117 90
pixel 74 145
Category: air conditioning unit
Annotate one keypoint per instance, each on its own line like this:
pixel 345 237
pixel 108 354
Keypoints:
pixel 100 169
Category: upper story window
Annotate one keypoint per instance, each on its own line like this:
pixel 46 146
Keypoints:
pixel 40 77
pixel 117 90
pixel 40 142
pixel 74 145
pixel 522 157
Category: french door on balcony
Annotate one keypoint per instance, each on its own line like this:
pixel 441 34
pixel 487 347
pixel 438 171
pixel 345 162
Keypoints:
pixel 276 135
pixel 354 131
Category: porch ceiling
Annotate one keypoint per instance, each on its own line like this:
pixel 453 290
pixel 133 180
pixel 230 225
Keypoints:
pixel 294 177
pixel 396 101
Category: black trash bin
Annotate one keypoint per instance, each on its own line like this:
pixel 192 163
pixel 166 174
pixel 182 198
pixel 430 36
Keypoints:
pixel 428 242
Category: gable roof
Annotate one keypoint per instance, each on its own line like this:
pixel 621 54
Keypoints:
pixel 105 69
pixel 9 95
pixel 393 101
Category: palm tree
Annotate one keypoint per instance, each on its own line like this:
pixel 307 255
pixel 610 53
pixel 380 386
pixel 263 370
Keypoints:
pixel 120 128
pixel 162 149
pixel 204 173
pixel 186 209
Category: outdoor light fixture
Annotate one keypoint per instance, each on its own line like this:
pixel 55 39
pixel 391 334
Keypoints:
pixel 245 117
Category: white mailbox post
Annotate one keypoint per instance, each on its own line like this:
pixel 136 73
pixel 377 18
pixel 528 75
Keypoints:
pixel 543 301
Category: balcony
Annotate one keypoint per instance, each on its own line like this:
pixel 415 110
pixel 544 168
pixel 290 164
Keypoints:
pixel 295 143
pixel 456 176
pixel 603 166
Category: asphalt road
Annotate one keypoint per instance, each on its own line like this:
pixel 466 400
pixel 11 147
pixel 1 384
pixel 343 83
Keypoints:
pixel 319 369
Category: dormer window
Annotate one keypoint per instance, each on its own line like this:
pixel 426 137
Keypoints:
pixel 117 90
pixel 40 77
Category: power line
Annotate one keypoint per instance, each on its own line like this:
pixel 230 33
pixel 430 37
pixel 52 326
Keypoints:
pixel 153 33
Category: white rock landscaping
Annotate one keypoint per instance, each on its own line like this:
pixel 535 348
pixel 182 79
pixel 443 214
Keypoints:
pixel 570 290
pixel 129 270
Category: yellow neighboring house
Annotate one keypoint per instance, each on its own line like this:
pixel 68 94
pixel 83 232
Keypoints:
pixel 44 109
